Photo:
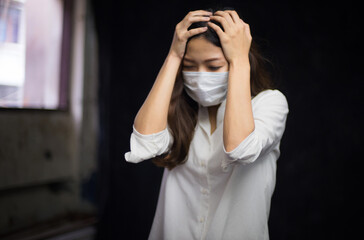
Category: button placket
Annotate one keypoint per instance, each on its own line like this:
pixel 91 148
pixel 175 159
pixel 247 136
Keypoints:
pixel 203 161
pixel 204 191
pixel 204 197
pixel 202 164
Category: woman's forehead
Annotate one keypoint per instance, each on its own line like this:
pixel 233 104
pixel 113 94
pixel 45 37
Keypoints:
pixel 199 49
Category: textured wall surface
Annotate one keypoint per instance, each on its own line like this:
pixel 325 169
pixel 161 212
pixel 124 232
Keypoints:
pixel 48 159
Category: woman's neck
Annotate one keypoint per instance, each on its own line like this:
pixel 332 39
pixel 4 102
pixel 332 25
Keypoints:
pixel 213 116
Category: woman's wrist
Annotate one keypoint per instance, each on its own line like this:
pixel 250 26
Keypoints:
pixel 172 63
pixel 239 70
pixel 240 62
pixel 175 56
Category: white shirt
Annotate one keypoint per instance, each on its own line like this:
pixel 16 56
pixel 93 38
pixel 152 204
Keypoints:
pixel 218 194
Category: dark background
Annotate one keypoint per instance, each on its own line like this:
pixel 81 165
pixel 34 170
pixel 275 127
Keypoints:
pixel 316 50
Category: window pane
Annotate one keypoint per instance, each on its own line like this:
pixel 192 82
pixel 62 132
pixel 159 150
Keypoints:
pixel 30 53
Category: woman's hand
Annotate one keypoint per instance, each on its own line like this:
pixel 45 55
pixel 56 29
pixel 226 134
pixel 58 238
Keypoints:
pixel 181 34
pixel 235 38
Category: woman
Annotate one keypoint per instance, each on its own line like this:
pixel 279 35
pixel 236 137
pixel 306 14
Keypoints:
pixel 214 122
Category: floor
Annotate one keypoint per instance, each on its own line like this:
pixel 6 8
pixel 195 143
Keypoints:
pixel 87 233
pixel 65 229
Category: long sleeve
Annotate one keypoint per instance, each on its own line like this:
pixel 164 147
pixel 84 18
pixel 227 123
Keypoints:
pixel 270 114
pixel 143 147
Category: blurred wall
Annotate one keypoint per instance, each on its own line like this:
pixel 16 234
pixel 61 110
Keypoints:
pixel 48 159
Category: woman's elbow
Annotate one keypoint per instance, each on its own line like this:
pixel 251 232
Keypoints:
pixel 232 141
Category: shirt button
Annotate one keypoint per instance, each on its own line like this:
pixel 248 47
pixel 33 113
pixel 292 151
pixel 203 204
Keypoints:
pixel 204 191
pixel 203 164
pixel 202 219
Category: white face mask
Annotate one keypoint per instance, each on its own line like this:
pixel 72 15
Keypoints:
pixel 206 88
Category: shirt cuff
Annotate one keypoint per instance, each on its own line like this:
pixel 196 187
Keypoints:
pixel 147 146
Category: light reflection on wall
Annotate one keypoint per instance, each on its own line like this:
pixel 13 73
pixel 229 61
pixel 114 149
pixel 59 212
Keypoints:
pixel 12 52
pixel 30 53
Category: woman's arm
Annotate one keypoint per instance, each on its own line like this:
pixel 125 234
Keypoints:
pixel 270 115
pixel 235 42
pixel 238 120
pixel 152 116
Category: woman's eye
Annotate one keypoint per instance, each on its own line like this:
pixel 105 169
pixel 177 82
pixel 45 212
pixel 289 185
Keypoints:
pixel 214 68
pixel 187 66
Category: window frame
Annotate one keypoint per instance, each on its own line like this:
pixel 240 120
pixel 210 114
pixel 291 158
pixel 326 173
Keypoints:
pixel 65 68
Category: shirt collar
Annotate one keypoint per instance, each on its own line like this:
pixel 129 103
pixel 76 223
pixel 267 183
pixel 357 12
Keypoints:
pixel 203 116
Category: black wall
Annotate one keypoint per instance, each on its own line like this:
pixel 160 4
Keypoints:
pixel 315 49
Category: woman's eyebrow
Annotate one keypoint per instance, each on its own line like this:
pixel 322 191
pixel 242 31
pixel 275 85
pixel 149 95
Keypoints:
pixel 188 60
pixel 212 59
pixel 207 60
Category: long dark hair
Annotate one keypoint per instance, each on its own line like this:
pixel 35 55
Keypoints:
pixel 182 113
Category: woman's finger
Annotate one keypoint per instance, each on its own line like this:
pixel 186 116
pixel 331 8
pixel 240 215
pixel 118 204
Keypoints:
pixel 222 21
pixel 234 15
pixel 226 16
pixel 191 19
pixel 217 29
pixel 199 13
pixel 197 19
pixel 195 31
pixel 243 21
pixel 247 29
